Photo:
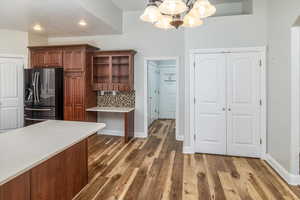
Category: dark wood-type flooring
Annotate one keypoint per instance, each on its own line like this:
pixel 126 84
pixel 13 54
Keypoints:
pixel 155 169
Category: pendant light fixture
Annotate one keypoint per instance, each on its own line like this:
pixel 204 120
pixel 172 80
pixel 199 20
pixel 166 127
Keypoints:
pixel 191 21
pixel 164 22
pixel 167 14
pixel 151 13
pixel 172 7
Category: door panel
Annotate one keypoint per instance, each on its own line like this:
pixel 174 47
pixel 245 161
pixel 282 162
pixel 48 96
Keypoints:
pixel 79 113
pixel 167 103
pixel 78 83
pixel 243 105
pixel 153 94
pixel 54 58
pixel 9 118
pixel 74 108
pixel 38 58
pixel 210 126
pixel 11 80
pixel 74 59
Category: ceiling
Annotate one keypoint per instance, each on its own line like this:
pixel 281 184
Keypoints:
pixel 135 5
pixel 60 17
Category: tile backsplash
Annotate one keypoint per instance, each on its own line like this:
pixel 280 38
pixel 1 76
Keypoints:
pixel 121 99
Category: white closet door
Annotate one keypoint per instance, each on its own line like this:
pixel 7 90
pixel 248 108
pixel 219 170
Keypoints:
pixel 11 81
pixel 153 76
pixel 243 135
pixel 210 115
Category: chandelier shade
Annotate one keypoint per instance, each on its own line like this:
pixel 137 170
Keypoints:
pixel 204 8
pixel 151 14
pixel 172 7
pixel 191 21
pixel 168 14
pixel 164 22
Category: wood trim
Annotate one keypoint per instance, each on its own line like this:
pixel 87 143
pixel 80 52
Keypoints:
pixel 63 45
pixel 116 52
pixel 128 126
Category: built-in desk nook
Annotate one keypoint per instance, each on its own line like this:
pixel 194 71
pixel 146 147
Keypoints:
pixel 128 116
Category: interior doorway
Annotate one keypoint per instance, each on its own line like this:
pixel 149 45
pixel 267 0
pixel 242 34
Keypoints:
pixel 161 91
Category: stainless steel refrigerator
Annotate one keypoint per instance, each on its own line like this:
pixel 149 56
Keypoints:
pixel 44 92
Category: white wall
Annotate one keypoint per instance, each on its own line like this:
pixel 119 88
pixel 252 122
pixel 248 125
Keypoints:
pixel 13 42
pixel 225 32
pixel 148 42
pixel 281 17
pixel 257 29
pixel 37 39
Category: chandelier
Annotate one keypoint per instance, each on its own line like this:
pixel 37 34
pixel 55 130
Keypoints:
pixel 167 14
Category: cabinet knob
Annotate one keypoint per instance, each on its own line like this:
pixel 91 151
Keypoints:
pixel 229 109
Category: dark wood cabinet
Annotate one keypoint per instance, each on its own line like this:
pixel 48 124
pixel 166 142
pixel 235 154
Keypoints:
pixel 113 70
pixel 61 177
pixel 16 189
pixel 74 96
pixel 58 178
pixel 76 61
pixel 46 57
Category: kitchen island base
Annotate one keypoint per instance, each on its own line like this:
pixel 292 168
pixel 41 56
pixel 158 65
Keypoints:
pixel 58 178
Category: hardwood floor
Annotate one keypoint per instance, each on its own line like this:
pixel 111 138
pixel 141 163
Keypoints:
pixel 155 169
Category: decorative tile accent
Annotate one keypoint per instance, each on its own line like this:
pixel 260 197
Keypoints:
pixel 121 99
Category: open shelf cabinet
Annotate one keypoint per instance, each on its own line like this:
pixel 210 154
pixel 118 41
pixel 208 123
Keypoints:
pixel 113 70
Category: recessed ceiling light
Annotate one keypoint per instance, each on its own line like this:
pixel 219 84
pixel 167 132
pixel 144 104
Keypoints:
pixel 82 23
pixel 37 27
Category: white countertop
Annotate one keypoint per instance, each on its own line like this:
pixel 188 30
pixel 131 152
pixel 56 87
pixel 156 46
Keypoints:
pixel 25 148
pixel 110 109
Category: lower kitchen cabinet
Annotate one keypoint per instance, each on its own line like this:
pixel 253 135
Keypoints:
pixel 16 189
pixel 74 102
pixel 58 178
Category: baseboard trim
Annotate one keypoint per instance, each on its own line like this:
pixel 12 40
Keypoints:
pixel 179 137
pixel 140 135
pixel 188 150
pixel 111 132
pixel 120 133
pixel 291 179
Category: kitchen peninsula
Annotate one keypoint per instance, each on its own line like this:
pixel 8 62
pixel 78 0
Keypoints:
pixel 45 161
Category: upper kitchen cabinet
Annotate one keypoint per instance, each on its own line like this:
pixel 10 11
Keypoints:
pixel 72 57
pixel 113 70
pixel 41 57
pixel 76 61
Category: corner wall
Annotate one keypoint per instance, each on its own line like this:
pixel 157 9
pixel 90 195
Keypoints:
pixel 281 17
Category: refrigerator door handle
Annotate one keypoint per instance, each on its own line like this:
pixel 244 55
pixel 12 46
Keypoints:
pixel 33 85
pixel 37 87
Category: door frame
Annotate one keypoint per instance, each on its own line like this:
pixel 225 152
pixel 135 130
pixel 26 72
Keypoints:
pixel 21 82
pixel 263 113
pixel 146 59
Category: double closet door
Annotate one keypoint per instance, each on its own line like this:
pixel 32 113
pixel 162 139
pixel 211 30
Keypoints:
pixel 227 106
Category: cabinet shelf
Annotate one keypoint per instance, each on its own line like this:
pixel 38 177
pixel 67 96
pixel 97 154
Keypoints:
pixel 101 63
pixel 113 70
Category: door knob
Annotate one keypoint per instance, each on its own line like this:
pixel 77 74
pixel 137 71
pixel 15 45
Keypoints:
pixel 229 109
